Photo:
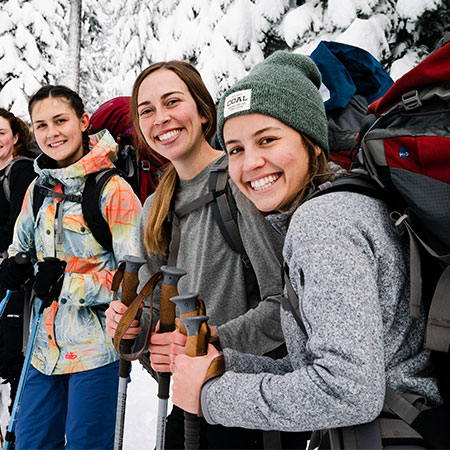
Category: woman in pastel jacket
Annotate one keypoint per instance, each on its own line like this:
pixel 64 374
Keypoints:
pixel 70 394
pixel 347 265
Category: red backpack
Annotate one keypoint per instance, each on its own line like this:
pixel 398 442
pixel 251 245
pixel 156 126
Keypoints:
pixel 140 168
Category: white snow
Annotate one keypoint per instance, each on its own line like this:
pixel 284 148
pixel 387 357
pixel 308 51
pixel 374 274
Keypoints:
pixel 141 410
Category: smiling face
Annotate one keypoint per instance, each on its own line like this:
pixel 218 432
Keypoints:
pixel 168 117
pixel 267 160
pixel 58 130
pixel 7 140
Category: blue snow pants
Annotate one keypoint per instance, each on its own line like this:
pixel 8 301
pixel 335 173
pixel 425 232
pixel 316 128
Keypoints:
pixel 72 411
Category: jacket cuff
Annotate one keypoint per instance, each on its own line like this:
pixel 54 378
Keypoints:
pixel 203 400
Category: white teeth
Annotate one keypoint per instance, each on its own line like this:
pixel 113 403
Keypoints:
pixel 56 144
pixel 168 135
pixel 264 183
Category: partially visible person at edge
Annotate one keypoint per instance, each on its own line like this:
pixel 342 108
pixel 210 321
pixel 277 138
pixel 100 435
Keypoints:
pixel 175 115
pixel 347 265
pixel 15 140
pixel 70 395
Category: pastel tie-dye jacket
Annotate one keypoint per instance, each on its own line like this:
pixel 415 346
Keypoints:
pixel 71 335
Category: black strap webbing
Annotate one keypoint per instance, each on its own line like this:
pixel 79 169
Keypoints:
pixel 92 211
pixel 291 303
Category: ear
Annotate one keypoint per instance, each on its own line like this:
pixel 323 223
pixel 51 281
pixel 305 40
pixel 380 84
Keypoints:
pixel 317 150
pixel 84 121
pixel 16 138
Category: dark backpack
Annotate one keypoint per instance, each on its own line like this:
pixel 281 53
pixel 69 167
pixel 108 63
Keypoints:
pixel 354 79
pixel 5 178
pixel 225 214
pixel 141 170
pixel 90 204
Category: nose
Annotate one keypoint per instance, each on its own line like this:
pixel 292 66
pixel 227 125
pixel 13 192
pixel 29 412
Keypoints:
pixel 161 116
pixel 52 130
pixel 253 159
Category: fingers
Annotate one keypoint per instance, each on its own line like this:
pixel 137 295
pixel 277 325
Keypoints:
pixel 114 314
pixel 160 362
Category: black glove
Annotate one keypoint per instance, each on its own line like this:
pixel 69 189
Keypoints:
pixel 49 279
pixel 15 271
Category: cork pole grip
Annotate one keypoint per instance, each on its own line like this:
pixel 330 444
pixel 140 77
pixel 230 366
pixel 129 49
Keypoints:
pixel 129 287
pixel 166 307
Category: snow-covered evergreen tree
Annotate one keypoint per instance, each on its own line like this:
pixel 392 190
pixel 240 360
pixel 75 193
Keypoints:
pixel 31 49
pixel 94 67
pixel 129 44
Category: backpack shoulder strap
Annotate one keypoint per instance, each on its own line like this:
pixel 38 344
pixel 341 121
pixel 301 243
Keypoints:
pixel 291 303
pixel 6 177
pixel 39 194
pixel 357 182
pixel 224 210
pixel 91 206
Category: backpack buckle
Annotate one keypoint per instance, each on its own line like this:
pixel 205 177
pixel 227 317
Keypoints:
pixel 145 165
pixel 411 100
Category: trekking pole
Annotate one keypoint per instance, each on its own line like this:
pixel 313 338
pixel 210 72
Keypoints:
pixel 171 275
pixel 4 302
pixel 129 286
pixel 196 345
pixel 40 306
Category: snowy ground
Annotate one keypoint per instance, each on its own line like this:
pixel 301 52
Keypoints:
pixel 142 410
pixel 140 415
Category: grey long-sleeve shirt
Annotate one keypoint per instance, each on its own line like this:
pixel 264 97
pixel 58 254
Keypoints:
pixel 350 271
pixel 215 272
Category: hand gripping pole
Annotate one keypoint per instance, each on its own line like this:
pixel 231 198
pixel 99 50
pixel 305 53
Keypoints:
pixel 130 283
pixel 171 275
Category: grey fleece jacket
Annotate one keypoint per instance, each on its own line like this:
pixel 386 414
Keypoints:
pixel 215 272
pixel 349 269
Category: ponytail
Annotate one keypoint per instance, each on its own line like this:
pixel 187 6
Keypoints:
pixel 155 237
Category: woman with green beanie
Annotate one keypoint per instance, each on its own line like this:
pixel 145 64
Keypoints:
pixel 347 266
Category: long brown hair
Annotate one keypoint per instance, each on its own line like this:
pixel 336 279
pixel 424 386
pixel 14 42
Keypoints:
pixel 317 170
pixel 20 129
pixel 155 238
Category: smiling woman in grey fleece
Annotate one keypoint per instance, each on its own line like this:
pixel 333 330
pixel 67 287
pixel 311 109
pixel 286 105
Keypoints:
pixel 347 266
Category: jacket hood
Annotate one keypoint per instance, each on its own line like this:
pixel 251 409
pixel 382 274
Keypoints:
pixel 103 151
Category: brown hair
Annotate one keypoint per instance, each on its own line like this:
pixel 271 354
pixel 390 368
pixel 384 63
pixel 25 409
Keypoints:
pixel 155 238
pixel 74 100
pixel 21 129
pixel 317 170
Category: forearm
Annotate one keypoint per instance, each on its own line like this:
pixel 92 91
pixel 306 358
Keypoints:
pixel 258 331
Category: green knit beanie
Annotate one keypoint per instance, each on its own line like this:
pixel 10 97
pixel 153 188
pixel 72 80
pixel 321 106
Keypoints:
pixel 284 86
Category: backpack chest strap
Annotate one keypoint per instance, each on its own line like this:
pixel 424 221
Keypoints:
pixel 47 192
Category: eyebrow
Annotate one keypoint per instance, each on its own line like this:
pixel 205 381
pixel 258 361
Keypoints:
pixel 255 134
pixel 54 117
pixel 164 96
